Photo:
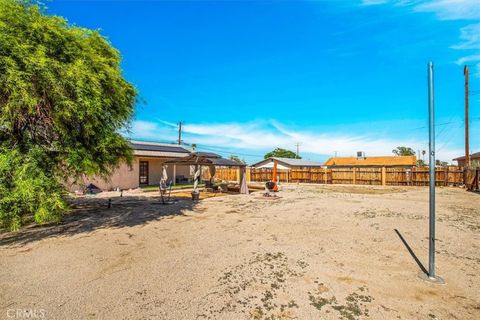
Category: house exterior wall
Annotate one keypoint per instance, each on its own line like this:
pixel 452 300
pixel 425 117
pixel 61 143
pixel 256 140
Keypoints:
pixel 180 170
pixel 475 162
pixel 154 170
pixel 125 177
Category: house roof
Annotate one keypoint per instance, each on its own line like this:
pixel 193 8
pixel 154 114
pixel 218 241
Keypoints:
pixel 372 161
pixel 206 154
pixel 472 156
pixel 181 154
pixel 291 162
pixel 154 149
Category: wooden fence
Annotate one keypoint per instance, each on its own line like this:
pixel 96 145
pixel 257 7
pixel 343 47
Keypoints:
pixel 445 176
pixel 472 179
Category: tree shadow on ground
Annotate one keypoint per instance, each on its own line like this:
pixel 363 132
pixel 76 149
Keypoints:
pixel 414 256
pixel 90 213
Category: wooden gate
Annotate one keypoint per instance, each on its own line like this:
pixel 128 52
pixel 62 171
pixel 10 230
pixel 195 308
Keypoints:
pixel 472 176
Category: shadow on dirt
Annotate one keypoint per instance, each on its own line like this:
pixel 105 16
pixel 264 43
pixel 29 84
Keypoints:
pixel 414 256
pixel 90 214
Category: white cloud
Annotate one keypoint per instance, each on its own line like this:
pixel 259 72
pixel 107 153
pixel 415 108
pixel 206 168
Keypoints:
pixel 373 2
pixel 150 131
pixel 451 9
pixel 260 136
pixel 470 37
pixel 443 9
pixel 474 57
pixel 470 40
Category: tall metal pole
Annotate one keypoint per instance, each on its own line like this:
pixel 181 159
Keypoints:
pixel 431 277
pixel 467 146
pixel 431 150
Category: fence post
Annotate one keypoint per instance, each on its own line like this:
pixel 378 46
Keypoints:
pixel 446 176
pixel 247 172
pixel 325 176
pixel 384 176
pixel 354 174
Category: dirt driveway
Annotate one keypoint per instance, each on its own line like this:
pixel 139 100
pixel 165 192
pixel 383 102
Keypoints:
pixel 318 252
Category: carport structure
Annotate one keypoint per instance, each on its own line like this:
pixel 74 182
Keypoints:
pixel 211 160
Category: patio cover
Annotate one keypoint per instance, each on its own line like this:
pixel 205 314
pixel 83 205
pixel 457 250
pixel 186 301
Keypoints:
pixel 211 160
pixel 206 159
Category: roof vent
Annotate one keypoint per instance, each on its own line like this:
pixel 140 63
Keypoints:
pixel 360 155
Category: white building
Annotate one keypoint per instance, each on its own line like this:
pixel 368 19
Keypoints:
pixel 286 163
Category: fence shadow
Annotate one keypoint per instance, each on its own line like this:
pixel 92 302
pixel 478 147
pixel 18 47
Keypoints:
pixel 419 263
pixel 90 214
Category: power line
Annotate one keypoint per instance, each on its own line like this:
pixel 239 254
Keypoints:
pixel 227 151
pixel 451 122
pixel 449 139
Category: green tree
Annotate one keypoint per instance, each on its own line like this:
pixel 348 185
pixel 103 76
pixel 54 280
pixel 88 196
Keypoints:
pixel 441 163
pixel 237 159
pixel 420 163
pixel 281 153
pixel 403 151
pixel 63 102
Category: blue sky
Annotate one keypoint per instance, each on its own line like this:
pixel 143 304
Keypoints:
pixel 336 76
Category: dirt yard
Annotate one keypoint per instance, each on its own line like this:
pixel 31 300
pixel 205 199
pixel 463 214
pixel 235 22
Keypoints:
pixel 317 252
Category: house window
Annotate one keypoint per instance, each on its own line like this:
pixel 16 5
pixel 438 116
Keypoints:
pixel 143 172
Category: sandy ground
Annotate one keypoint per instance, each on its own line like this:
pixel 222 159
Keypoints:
pixel 318 252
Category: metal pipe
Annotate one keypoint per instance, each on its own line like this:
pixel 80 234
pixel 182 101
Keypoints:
pixel 467 147
pixel 431 147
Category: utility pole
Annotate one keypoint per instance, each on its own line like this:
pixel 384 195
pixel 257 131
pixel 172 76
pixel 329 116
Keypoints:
pixel 297 145
pixel 180 132
pixel 467 146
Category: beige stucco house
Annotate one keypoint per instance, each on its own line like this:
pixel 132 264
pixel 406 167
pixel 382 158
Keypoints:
pixel 147 167
pixel 149 160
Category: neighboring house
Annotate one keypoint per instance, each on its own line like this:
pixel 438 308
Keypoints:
pixel 359 162
pixel 147 166
pixel 474 160
pixel 286 163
